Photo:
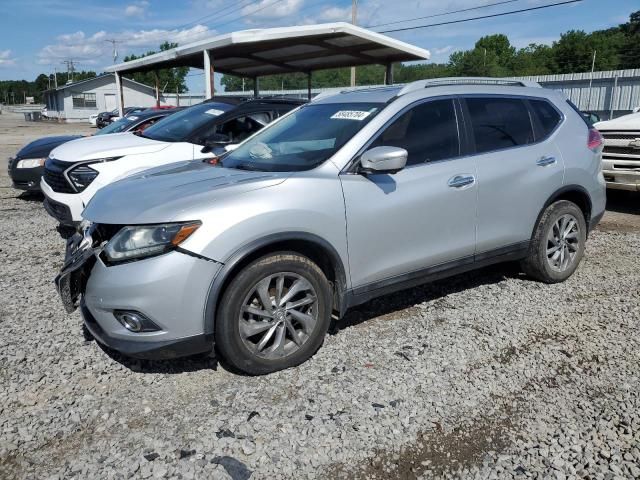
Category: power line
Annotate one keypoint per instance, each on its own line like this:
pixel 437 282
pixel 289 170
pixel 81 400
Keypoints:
pixel 444 13
pixel 480 18
pixel 218 12
pixel 247 14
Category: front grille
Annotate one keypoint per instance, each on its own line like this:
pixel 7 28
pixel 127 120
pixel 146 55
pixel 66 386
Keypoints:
pixel 621 135
pixel 622 150
pixel 54 176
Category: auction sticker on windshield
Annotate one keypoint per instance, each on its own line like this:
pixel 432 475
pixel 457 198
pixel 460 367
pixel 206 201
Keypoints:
pixel 350 115
pixel 213 111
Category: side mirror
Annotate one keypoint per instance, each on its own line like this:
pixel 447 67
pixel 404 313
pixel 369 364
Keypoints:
pixel 383 160
pixel 214 141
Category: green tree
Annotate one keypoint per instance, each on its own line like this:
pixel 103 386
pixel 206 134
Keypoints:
pixel 492 56
pixel 169 79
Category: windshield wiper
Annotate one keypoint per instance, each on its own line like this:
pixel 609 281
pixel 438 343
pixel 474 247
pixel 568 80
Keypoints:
pixel 246 166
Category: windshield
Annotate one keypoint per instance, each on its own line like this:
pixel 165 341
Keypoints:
pixel 177 127
pixel 117 126
pixel 304 139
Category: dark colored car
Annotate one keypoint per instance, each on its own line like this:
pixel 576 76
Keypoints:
pixel 26 168
pixel 105 118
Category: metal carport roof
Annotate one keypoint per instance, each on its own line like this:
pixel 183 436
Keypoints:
pixel 254 53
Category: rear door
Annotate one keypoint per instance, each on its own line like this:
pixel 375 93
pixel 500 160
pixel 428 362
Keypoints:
pixel 519 166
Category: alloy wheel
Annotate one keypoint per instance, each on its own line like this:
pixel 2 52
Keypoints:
pixel 563 242
pixel 278 315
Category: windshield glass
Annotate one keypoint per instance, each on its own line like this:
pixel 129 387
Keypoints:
pixel 304 139
pixel 117 126
pixel 177 127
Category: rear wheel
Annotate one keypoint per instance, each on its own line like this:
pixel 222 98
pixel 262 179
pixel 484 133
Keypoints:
pixel 274 314
pixel 558 243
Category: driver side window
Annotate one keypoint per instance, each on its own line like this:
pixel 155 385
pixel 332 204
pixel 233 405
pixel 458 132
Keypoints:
pixel 428 132
pixel 238 129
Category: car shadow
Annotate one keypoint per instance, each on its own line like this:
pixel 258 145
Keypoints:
pixel 193 363
pixel 405 299
pixel 31 196
pixel 384 305
pixel 65 231
pixel 623 201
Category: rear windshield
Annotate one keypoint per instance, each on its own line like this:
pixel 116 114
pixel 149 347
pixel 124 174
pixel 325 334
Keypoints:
pixel 304 139
pixel 179 126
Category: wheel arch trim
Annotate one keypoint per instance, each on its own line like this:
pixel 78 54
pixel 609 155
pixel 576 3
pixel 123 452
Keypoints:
pixel 240 254
pixel 558 194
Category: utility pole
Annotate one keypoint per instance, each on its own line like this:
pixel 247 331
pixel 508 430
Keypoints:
pixel 114 43
pixel 55 77
pixel 354 17
pixel 593 66
pixel 70 69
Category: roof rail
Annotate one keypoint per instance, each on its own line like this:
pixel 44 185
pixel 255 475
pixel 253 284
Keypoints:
pixel 439 82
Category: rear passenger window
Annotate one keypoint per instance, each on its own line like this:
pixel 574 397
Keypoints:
pixel 548 117
pixel 499 123
pixel 428 132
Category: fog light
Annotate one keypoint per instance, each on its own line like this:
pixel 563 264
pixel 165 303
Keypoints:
pixel 135 321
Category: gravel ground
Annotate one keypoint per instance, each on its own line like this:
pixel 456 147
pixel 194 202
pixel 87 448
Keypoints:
pixel 485 375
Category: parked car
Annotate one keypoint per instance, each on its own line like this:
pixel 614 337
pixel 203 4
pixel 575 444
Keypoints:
pixel 75 171
pixel 350 197
pixel 27 167
pixel 621 156
pixel 105 118
pixel 93 119
pixel 591 117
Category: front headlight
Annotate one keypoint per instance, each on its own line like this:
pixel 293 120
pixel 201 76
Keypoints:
pixel 30 163
pixel 82 175
pixel 147 240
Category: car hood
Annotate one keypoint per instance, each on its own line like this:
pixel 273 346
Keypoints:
pixel 626 122
pixel 173 192
pixel 101 146
pixel 43 146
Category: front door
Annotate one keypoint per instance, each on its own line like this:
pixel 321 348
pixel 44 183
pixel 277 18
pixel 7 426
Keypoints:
pixel 423 216
pixel 109 102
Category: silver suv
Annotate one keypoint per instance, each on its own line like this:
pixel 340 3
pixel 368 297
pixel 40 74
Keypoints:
pixel 350 197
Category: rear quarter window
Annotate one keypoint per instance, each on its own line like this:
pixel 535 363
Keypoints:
pixel 499 122
pixel 548 116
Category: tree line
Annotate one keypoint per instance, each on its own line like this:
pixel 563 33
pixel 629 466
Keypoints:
pixel 492 56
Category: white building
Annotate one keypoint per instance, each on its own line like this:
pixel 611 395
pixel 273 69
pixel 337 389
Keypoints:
pixel 75 102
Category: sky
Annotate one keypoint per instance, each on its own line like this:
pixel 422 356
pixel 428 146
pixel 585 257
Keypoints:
pixel 37 36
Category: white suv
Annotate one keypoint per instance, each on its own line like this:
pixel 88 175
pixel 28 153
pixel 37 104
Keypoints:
pixel 76 170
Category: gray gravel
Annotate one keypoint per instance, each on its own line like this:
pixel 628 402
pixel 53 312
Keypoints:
pixel 486 375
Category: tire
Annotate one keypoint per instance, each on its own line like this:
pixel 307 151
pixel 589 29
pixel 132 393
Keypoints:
pixel 258 339
pixel 555 251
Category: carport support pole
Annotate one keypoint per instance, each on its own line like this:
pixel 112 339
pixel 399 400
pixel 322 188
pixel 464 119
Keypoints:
pixel 208 77
pixel 388 77
pixel 256 87
pixel 309 86
pixel 157 81
pixel 120 96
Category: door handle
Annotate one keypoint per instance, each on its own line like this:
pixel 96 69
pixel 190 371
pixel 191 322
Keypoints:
pixel 459 181
pixel 544 161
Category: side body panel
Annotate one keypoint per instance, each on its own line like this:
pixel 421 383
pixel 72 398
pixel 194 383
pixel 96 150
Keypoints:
pixel 408 221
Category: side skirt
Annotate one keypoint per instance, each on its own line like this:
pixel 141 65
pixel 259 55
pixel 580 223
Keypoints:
pixel 363 294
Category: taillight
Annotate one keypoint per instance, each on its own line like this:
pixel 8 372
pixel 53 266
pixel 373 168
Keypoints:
pixel 595 140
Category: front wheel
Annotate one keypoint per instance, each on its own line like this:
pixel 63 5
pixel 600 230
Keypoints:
pixel 558 243
pixel 274 314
